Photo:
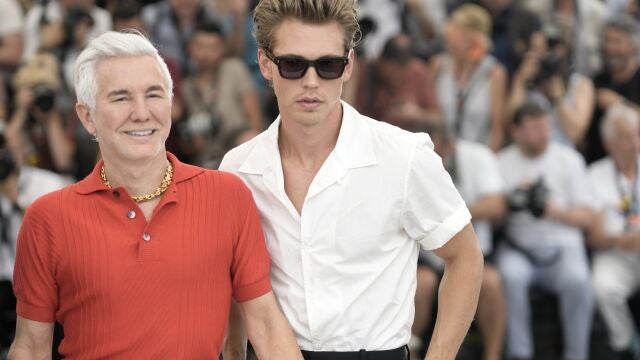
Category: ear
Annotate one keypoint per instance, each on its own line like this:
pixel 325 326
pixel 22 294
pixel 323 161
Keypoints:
pixel 348 70
pixel 266 65
pixel 84 114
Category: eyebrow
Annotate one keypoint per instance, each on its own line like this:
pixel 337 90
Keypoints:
pixel 127 92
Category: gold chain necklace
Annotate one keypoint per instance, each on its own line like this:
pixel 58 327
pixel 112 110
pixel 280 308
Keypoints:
pixel 168 176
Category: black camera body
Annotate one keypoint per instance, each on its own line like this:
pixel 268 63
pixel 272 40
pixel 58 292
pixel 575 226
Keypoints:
pixel 44 97
pixel 532 199
pixel 549 65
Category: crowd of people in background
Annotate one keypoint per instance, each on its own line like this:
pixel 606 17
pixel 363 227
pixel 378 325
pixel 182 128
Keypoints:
pixel 533 105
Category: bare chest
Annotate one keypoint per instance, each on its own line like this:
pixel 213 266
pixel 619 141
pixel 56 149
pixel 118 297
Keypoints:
pixel 296 183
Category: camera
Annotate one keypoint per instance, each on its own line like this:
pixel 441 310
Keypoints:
pixel 532 199
pixel 549 65
pixel 44 97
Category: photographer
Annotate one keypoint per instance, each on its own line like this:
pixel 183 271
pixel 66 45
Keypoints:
pixel 615 234
pixel 36 133
pixel 550 204
pixel 547 77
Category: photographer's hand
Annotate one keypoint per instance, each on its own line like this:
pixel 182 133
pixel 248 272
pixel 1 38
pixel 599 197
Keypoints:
pixel 555 89
pixel 580 217
pixel 607 97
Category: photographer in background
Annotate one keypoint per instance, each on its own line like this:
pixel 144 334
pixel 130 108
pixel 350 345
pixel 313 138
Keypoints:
pixel 615 234
pixel 36 133
pixel 19 187
pixel 550 204
pixel 548 77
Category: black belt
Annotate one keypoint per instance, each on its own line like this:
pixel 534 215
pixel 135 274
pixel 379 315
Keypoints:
pixel 401 353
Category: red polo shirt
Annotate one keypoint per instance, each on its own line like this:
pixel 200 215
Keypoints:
pixel 125 288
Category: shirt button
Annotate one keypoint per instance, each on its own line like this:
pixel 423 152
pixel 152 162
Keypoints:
pixel 146 237
pixel 131 214
pixel 116 194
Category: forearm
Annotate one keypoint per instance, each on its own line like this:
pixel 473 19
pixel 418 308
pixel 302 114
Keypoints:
pixel 457 302
pixel 60 146
pixel 492 207
pixel 11 51
pixel 274 340
pixel 575 216
pixel 235 342
pixel 19 352
pixel 14 135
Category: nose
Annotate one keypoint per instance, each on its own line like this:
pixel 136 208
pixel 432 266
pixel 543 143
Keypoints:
pixel 140 111
pixel 311 78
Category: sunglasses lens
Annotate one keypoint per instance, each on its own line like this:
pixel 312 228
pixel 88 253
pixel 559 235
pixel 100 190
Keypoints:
pixel 292 68
pixel 330 68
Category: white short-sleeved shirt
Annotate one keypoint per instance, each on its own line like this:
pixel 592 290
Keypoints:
pixel 477 176
pixel 564 173
pixel 10 17
pixel 609 187
pixel 32 183
pixel 344 269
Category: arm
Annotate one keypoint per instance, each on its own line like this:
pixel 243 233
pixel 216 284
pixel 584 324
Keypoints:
pixel 267 329
pixel 458 294
pixel 597 237
pixel 498 94
pixel 580 217
pixel 251 106
pixel 236 40
pixel 14 133
pixel 490 207
pixel 576 115
pixel 235 341
pixel 33 340
pixel 11 50
pixel 59 144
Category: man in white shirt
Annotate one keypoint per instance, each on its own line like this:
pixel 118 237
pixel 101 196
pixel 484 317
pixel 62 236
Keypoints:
pixel 550 204
pixel 474 170
pixel 616 233
pixel 346 201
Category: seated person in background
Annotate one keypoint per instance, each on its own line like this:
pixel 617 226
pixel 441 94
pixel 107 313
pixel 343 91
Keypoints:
pixel 397 88
pixel 219 97
pixel 550 205
pixel 548 77
pixel 618 81
pixel 19 187
pixel 616 234
pixel 471 83
pixel 474 170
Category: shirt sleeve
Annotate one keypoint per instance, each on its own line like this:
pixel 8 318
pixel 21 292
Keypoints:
pixel 433 210
pixel 34 281
pixel 250 263
pixel 582 194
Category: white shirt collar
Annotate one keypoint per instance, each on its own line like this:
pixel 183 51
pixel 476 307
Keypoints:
pixel 353 149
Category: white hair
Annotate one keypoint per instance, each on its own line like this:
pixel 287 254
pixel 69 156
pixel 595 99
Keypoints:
pixel 112 44
pixel 616 113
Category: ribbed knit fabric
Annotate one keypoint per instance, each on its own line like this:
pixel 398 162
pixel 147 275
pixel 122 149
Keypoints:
pixel 127 289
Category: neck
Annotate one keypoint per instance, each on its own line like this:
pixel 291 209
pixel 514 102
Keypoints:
pixel 463 67
pixel 309 145
pixel 627 166
pixel 625 74
pixel 138 178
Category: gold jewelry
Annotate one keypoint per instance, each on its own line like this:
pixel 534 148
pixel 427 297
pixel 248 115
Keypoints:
pixel 164 185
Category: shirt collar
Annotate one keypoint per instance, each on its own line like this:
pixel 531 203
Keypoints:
pixel 93 182
pixel 353 149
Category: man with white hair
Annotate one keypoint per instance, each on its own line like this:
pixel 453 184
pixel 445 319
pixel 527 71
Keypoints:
pixel 616 233
pixel 140 259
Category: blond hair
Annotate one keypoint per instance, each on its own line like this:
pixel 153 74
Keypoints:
pixel 475 19
pixel 269 14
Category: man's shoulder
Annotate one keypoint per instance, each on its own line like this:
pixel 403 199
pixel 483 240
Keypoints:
pixel 565 153
pixel 391 137
pixel 601 168
pixel 508 154
pixel 475 150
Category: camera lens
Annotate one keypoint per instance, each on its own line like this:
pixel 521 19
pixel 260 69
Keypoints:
pixel 43 97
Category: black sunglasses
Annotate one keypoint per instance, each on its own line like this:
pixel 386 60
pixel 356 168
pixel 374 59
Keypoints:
pixel 328 68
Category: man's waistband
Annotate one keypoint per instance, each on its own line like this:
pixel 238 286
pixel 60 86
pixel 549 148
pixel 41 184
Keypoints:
pixel 401 353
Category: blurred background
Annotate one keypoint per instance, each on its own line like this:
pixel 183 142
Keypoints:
pixel 532 104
